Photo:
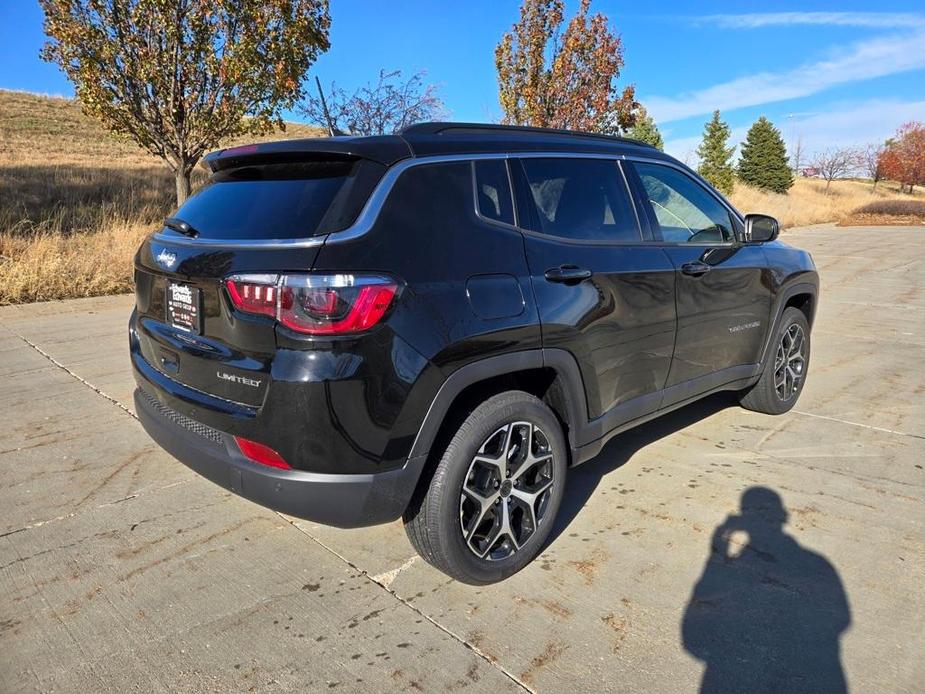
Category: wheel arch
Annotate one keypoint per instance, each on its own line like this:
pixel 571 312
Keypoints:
pixel 551 375
pixel 804 301
pixel 800 295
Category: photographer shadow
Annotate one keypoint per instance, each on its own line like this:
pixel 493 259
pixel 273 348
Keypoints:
pixel 767 614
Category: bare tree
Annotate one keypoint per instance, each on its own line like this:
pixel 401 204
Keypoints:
pixel 385 107
pixel 872 162
pixel 836 162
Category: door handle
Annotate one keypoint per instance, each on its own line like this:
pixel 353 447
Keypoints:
pixel 567 274
pixel 696 269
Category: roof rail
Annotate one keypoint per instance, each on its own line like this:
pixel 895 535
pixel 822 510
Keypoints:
pixel 438 128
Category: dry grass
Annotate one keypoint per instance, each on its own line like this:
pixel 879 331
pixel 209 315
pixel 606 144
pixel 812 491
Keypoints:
pixel 75 201
pixel 49 265
pixel 807 203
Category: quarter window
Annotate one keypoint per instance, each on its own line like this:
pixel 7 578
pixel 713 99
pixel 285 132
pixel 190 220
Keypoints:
pixel 685 210
pixel 493 191
pixel 581 199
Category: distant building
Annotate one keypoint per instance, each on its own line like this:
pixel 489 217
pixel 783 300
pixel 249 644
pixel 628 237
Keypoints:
pixel 809 172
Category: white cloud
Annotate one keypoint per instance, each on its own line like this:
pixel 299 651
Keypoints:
pixel 840 125
pixel 865 60
pixel 875 20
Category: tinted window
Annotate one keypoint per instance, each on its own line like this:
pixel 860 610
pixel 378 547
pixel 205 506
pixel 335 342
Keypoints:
pixel 279 201
pixel 493 190
pixel 583 199
pixel 685 210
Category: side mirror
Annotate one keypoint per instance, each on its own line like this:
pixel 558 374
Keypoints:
pixel 760 228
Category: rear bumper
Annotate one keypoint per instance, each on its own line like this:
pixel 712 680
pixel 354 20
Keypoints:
pixel 342 500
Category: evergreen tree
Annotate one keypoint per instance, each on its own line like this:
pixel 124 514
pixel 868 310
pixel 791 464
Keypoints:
pixel 715 156
pixel 646 130
pixel 763 162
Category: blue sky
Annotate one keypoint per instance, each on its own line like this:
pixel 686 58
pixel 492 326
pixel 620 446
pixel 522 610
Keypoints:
pixel 826 73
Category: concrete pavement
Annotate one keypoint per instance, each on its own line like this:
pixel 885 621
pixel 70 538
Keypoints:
pixel 121 571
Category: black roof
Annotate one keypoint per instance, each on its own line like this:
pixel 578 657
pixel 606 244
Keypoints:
pixel 428 139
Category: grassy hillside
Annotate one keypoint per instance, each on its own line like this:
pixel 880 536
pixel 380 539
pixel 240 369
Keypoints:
pixel 75 200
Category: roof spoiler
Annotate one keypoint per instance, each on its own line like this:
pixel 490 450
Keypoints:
pixel 384 150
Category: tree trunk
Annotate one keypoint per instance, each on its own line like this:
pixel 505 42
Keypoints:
pixel 876 180
pixel 183 184
pixel 828 182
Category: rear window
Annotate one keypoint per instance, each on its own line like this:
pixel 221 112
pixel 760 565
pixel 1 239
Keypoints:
pixel 277 201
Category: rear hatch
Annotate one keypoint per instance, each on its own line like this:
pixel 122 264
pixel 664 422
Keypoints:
pixel 263 215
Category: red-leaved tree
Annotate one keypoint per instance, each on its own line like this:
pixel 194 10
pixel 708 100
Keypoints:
pixel 903 158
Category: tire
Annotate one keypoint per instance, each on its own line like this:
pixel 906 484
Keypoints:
pixel 777 392
pixel 441 514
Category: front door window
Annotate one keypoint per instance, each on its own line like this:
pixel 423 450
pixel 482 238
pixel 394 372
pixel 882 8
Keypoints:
pixel 685 210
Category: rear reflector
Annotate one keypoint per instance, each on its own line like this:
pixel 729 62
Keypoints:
pixel 315 304
pixel 259 453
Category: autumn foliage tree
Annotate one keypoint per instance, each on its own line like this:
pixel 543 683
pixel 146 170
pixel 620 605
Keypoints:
pixel 903 157
pixel 552 78
pixel 178 76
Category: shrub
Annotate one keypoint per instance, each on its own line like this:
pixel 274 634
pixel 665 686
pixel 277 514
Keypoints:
pixel 899 208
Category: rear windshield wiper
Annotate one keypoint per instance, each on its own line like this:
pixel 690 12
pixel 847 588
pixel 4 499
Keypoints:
pixel 179 225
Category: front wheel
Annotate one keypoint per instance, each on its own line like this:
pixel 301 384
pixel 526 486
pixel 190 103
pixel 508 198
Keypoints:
pixel 494 495
pixel 785 372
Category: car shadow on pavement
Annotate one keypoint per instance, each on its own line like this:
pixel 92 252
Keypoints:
pixel 583 480
pixel 767 614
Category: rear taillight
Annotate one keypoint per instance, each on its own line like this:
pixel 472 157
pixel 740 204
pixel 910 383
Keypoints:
pixel 254 293
pixel 315 304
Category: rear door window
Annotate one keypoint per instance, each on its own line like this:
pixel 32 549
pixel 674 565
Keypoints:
pixel 274 201
pixel 580 199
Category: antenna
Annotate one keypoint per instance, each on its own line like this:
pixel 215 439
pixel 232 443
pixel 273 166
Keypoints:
pixel 332 131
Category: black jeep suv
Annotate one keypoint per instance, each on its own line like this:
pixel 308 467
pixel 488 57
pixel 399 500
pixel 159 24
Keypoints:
pixel 435 325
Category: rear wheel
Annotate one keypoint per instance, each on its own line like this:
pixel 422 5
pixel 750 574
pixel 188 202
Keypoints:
pixel 783 377
pixel 494 495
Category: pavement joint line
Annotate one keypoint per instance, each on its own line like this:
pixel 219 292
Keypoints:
pixel 72 514
pixel 859 424
pixel 387 578
pixel 38 524
pixel 68 371
pixel 386 587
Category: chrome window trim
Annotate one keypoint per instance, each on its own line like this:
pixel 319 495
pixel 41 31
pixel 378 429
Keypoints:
pixel 370 212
